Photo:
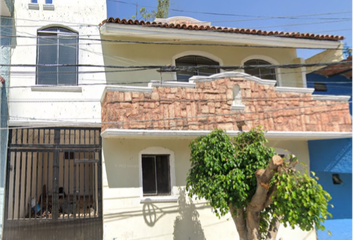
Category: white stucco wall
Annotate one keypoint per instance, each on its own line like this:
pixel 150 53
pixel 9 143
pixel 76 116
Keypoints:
pixel 126 218
pixel 82 106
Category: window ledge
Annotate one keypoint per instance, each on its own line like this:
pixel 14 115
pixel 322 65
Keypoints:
pixel 159 199
pixel 51 88
pixel 33 6
pixel 48 7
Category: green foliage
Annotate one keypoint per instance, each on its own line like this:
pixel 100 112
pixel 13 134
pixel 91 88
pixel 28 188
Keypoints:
pixel 223 172
pixel 162 11
pixel 223 169
pixel 347 50
pixel 300 200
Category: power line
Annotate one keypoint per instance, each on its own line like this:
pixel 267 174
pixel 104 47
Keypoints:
pixel 169 43
pixel 87 100
pixel 198 116
pixel 239 15
pixel 164 68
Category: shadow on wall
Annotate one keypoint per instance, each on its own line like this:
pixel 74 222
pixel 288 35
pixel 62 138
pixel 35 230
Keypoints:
pixel 187 225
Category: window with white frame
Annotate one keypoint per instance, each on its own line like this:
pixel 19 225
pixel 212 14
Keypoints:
pixel 261 72
pixel 194 61
pixel 57 45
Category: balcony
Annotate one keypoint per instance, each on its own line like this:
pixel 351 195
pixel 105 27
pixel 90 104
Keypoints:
pixel 206 103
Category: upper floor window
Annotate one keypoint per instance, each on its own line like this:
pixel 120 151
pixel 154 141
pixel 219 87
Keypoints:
pixel 261 72
pixel 320 87
pixel 192 61
pixel 49 1
pixel 57 45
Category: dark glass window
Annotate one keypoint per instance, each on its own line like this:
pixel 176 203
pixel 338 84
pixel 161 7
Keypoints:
pixel 48 1
pixel 192 61
pixel 264 73
pixel 336 179
pixel 156 175
pixel 320 87
pixel 57 45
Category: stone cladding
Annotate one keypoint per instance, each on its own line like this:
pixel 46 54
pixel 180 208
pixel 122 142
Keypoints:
pixel 208 106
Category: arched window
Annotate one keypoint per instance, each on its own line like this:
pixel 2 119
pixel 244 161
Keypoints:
pixel 261 72
pixel 192 61
pixel 57 45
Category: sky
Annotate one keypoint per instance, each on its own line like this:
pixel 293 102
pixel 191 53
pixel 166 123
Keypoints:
pixel 307 16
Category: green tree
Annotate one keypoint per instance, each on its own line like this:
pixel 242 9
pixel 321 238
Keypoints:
pixel 161 12
pixel 259 188
pixel 347 51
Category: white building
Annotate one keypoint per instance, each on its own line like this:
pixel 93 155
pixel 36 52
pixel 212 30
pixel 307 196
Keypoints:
pixel 54 113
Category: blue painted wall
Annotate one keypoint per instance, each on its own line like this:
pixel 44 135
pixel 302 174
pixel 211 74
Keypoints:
pixel 6 28
pixel 332 156
pixel 336 85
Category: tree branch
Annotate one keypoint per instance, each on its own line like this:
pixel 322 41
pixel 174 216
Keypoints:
pixel 273 229
pixel 239 220
pixel 263 178
pixel 272 192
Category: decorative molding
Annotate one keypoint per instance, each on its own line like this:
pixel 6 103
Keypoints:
pixel 238 107
pixel 331 98
pixel 232 75
pixel 55 88
pixel 125 89
pixel 157 83
pixel 291 135
pixel 54 123
pixel 33 6
pixel 294 89
pixel 48 7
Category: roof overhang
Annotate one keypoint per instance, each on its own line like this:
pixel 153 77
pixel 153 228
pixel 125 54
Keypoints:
pixel 113 29
pixel 191 134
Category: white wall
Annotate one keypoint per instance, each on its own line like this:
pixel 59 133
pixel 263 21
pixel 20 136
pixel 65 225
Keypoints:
pixel 80 16
pixel 126 218
pixel 129 54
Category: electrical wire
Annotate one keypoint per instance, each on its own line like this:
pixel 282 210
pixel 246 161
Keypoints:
pixel 173 43
pixel 238 15
pixel 193 117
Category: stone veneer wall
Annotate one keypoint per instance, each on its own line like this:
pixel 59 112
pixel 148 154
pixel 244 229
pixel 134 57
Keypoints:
pixel 208 106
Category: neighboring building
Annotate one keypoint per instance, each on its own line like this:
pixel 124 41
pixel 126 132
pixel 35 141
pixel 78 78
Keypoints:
pixel 146 128
pixel 53 175
pixel 332 160
pixel 6 31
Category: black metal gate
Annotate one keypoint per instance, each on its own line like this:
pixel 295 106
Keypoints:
pixel 53 184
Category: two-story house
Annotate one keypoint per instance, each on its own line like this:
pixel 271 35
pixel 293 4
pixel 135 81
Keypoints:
pixel 53 174
pixel 150 113
pixel 332 159
pixel 6 31
pixel 89 161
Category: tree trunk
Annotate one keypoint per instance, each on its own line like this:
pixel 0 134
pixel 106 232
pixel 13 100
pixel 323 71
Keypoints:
pixel 248 227
pixel 239 220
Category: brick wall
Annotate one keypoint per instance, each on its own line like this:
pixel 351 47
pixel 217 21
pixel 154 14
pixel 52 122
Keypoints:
pixel 208 106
